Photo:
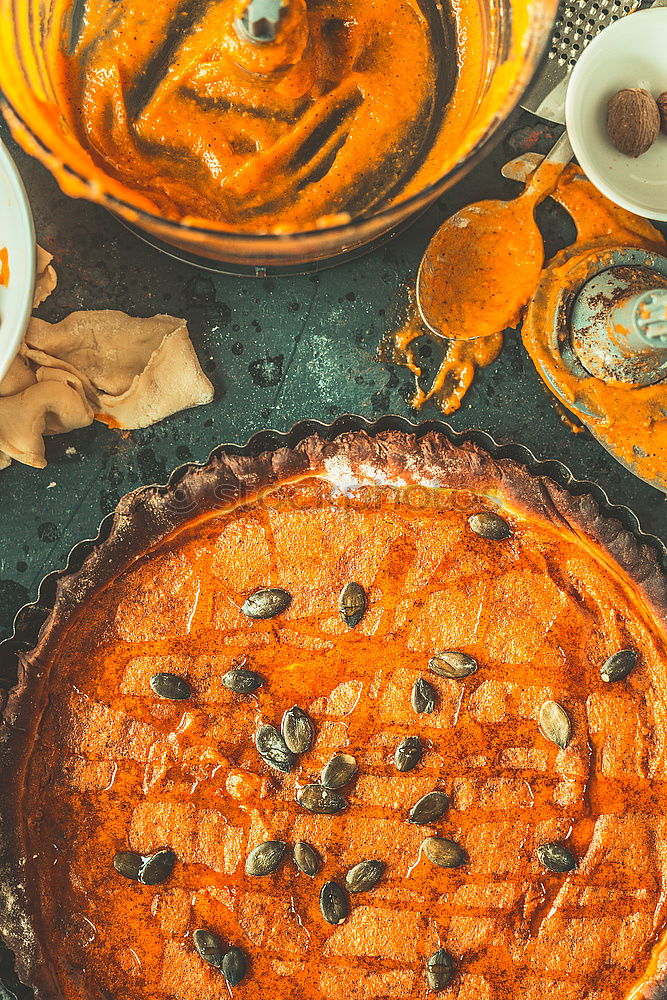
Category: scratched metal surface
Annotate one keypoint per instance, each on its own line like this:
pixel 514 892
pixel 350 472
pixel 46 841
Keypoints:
pixel 278 350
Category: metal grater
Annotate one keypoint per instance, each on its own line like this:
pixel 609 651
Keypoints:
pixel 577 24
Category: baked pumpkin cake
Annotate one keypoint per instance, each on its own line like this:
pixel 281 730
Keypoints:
pixel 376 717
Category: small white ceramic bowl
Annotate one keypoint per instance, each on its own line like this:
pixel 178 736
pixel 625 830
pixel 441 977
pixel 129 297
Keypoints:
pixel 17 234
pixel 632 52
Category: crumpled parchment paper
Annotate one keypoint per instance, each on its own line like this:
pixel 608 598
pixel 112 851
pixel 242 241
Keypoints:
pixel 104 365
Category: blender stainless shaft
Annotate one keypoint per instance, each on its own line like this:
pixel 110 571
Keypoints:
pixel 260 21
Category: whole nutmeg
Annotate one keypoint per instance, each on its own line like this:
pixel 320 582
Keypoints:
pixel 662 108
pixel 633 121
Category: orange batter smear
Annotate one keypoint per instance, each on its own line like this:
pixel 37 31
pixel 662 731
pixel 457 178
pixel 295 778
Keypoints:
pixel 599 223
pixel 113 768
pixel 111 422
pixel 464 293
pixel 4 267
pixel 599 220
pixel 566 418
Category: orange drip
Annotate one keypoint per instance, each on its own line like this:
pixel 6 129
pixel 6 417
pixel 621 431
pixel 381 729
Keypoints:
pixel 457 370
pixel 4 267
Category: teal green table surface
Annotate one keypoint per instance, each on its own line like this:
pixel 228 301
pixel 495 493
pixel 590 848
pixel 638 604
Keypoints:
pixel 278 350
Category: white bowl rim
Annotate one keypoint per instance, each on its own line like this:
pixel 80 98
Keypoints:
pixel 17 298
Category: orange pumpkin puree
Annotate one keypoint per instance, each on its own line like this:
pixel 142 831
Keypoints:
pixel 329 121
pixel 457 370
pixel 152 104
pixel 4 267
pixel 114 768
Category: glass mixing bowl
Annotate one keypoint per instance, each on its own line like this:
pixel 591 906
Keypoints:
pixel 513 35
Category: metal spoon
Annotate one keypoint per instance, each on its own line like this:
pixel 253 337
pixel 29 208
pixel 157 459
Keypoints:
pixel 482 266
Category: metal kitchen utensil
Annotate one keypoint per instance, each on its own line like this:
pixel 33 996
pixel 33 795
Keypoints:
pixel 577 24
pixel 620 277
pixel 618 326
pixel 260 21
pixel 609 321
pixel 480 222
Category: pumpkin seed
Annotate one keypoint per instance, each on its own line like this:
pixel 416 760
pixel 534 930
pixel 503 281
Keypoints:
pixel 234 966
pixel 157 867
pixel 488 525
pixel 265 858
pixel 556 858
pixel 423 697
pixel 439 970
pixel 364 876
pixel 208 947
pixel 333 903
pixel 555 724
pixel 306 858
pixel 445 853
pixel 170 686
pixel 430 807
pixel 452 664
pixel 298 730
pixel 319 799
pixel 619 665
pixel 352 604
pixel 128 864
pixel 408 753
pixel 339 770
pixel 267 603
pixel 242 681
pixel 272 748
